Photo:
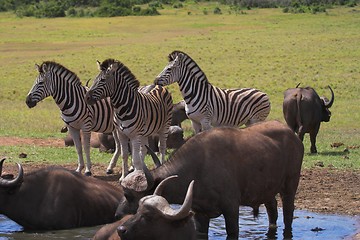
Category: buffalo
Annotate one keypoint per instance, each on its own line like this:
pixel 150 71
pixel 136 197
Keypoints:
pixel 304 110
pixel 55 198
pixel 109 231
pixel 179 113
pixel 156 220
pixel 231 167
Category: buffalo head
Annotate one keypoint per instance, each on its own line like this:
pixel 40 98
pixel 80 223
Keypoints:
pixel 156 219
pixel 326 104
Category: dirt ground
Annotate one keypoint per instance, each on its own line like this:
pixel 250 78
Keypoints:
pixel 321 189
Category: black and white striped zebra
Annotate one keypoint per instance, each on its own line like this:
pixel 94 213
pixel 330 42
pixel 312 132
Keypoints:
pixel 138 114
pixel 69 94
pixel 207 105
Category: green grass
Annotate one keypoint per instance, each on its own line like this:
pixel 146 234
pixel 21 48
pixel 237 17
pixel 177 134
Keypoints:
pixel 263 48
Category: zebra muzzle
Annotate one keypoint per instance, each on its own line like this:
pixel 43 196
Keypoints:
pixel 29 102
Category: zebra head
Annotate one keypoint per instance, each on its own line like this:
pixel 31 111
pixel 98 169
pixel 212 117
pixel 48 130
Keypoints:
pixel 172 71
pixel 101 89
pixel 42 86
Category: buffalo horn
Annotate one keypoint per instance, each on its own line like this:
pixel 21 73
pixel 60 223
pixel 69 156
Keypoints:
pixel 184 211
pixel 154 157
pixel 1 165
pixel 14 182
pixel 160 187
pixel 330 103
pixel 149 178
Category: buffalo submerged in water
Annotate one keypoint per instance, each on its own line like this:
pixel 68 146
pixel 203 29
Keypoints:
pixel 230 167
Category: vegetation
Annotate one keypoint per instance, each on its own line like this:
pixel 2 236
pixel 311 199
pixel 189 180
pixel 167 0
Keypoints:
pixel 262 48
pixel 112 8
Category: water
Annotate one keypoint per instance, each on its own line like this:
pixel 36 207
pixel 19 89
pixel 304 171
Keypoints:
pixel 304 227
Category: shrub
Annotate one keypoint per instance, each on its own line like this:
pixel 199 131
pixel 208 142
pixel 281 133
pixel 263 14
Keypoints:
pixel 50 9
pixel 217 10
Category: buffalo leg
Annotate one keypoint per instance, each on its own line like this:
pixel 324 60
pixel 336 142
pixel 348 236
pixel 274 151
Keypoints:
pixel 271 209
pixel 313 141
pixel 231 216
pixel 288 212
pixel 202 225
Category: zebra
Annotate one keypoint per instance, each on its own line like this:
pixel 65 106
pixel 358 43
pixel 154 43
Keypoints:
pixel 207 105
pixel 138 113
pixel 69 94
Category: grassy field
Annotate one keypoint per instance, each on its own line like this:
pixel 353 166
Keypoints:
pixel 260 48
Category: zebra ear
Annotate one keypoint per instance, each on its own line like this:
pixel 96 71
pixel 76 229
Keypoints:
pixel 37 67
pixel 98 64
pixel 113 67
pixel 44 67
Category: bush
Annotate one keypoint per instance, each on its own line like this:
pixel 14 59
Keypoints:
pixel 50 9
pixel 217 10
pixel 178 5
pixel 109 10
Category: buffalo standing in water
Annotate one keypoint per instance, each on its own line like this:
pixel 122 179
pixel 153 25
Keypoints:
pixel 231 167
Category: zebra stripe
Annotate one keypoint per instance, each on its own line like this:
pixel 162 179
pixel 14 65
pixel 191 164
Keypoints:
pixel 69 94
pixel 207 105
pixel 139 112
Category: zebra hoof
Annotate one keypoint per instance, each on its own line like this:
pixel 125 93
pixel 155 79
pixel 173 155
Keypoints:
pixel 109 171
pixel 88 174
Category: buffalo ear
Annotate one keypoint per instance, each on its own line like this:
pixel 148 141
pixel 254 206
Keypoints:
pixel 128 196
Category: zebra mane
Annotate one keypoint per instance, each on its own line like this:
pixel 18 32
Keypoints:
pixel 176 53
pixel 52 65
pixel 129 77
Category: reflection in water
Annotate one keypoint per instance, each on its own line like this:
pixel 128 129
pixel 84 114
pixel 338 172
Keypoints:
pixel 306 225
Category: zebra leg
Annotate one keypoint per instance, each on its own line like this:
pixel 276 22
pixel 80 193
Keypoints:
pixel 75 134
pixel 124 141
pixel 162 145
pixel 86 143
pixel 116 154
pixel 205 124
pixel 143 149
pixel 196 126
pixel 135 151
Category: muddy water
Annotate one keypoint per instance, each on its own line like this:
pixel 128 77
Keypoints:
pixel 306 225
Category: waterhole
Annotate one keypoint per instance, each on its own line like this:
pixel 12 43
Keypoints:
pixel 306 225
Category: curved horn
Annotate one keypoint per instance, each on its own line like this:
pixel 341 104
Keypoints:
pixel 330 103
pixel 149 178
pixel 184 211
pixel 161 186
pixel 16 181
pixel 153 156
pixel 1 164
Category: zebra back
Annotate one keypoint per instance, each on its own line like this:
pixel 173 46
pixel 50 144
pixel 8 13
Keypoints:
pixel 139 110
pixel 231 107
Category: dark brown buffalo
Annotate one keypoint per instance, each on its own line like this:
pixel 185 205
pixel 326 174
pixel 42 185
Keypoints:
pixel 179 114
pixel 109 231
pixel 155 219
pixel 231 167
pixel 304 110
pixel 56 198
